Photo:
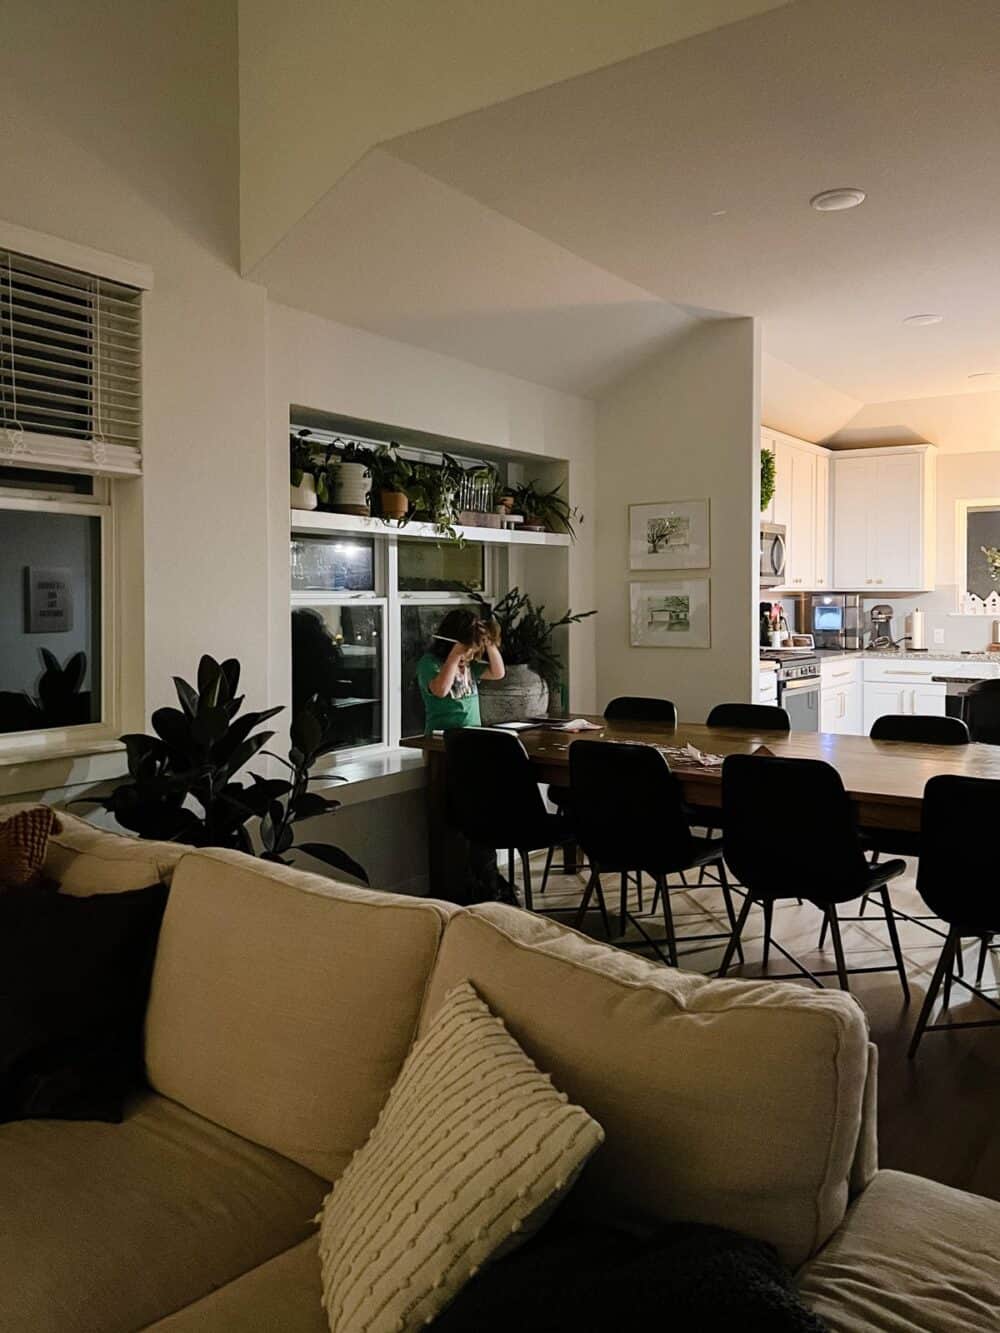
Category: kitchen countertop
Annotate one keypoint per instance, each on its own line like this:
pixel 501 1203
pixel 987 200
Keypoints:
pixel 898 654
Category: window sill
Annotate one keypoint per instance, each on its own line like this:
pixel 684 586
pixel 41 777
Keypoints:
pixel 372 777
pixel 41 767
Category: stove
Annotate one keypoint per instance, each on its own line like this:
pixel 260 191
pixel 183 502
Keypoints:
pixel 798 684
pixel 793 663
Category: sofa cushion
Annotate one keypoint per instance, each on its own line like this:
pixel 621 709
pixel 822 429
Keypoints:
pixel 473 1150
pixel 912 1256
pixel 84 859
pixel 283 1004
pixel 281 1296
pixel 107 1228
pixel 731 1102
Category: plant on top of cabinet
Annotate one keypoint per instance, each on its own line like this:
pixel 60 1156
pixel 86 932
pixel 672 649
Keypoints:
pixel 302 471
pixel 544 511
pixel 768 477
pixel 391 479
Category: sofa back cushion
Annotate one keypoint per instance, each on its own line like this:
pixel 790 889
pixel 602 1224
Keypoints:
pixel 283 1004
pixel 728 1102
pixel 84 859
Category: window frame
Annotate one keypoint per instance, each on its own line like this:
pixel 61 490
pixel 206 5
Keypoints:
pixel 387 595
pixel 47 741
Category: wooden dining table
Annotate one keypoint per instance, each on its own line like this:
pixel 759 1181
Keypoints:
pixel 884 779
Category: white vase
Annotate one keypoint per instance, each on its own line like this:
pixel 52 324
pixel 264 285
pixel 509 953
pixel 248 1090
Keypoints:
pixel 304 495
pixel 351 486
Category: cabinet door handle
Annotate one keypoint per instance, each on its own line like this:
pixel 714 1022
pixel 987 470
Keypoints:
pixel 898 671
pixel 840 675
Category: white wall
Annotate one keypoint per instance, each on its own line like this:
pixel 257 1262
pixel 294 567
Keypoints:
pixel 684 426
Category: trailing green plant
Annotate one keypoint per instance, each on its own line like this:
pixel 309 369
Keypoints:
pixel 435 491
pixel 768 474
pixel 183 787
pixel 526 632
pixel 301 459
pixel 549 508
pixel 389 471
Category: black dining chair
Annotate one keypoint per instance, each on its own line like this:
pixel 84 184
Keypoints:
pixel 981 711
pixel 820 856
pixel 624 708
pixel 917 729
pixel 740 717
pixel 628 815
pixel 957 880
pixel 494 798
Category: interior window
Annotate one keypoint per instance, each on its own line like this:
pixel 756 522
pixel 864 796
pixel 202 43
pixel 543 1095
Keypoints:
pixel 337 655
pixel 435 567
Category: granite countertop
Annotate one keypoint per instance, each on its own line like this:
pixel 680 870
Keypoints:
pixel 903 654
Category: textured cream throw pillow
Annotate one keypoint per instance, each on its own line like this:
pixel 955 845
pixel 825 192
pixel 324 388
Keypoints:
pixel 473 1143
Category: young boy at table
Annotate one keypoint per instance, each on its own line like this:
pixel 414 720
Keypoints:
pixel 464 651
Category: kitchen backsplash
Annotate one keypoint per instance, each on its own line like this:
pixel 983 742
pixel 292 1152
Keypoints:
pixel 961 633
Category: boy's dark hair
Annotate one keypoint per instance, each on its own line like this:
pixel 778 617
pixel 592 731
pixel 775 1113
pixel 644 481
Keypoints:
pixel 458 626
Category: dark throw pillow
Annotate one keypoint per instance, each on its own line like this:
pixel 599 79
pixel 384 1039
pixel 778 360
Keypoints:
pixel 578 1278
pixel 74 980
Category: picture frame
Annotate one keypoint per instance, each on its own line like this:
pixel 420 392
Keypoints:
pixel 670 534
pixel 670 614
pixel 977 556
pixel 48 600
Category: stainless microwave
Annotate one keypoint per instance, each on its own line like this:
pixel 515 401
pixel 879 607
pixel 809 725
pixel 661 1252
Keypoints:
pixel 772 554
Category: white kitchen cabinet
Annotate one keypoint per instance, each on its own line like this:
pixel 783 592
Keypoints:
pixel 801 503
pixel 880 699
pixel 883 519
pixel 840 707
pixel 903 686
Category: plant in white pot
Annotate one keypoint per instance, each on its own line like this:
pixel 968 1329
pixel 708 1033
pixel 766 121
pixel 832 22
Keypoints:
pixel 302 472
pixel 347 483
pixel 391 480
pixel 534 668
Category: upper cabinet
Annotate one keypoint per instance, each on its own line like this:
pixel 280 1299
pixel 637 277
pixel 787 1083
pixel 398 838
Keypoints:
pixel 802 504
pixel 883 519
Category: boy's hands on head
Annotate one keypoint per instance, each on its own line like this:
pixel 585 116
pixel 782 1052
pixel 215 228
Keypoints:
pixel 490 633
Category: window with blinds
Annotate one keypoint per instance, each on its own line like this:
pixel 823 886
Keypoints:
pixel 70 367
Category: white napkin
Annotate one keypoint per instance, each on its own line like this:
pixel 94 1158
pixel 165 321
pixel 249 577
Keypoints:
pixel 581 724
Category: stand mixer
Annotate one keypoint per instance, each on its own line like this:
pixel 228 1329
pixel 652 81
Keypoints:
pixel 882 633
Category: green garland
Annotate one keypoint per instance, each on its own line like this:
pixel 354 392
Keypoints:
pixel 767 475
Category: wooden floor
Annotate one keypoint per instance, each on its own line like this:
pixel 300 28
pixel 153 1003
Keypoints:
pixel 939 1114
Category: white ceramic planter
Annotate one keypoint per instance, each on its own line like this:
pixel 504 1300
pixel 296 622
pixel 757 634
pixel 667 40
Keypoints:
pixel 304 495
pixel 352 486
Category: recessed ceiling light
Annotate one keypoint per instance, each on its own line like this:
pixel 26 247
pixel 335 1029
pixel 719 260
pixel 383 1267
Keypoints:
pixel 921 320
pixel 984 374
pixel 832 201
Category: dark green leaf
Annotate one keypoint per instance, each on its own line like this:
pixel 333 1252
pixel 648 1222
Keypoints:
pixel 310 804
pixel 335 857
pixel 187 696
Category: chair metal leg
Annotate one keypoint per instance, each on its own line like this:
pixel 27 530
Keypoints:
pixel 656 895
pixel 946 993
pixel 943 966
pixel 838 946
pixel 890 921
pixel 768 906
pixel 668 920
pixel 864 904
pixel 736 936
pixel 984 949
pixel 701 872
pixel 593 889
pixel 727 898
pixel 601 903
pixel 638 888
pixel 622 903
pixel 548 866
pixel 510 871
pixel 822 931
pixel 526 869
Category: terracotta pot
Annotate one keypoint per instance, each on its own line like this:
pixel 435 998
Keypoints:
pixel 521 694
pixel 393 504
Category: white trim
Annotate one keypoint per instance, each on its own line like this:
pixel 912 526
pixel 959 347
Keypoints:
pixel 308 521
pixel 55 250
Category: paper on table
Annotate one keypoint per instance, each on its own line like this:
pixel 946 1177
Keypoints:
pixel 580 724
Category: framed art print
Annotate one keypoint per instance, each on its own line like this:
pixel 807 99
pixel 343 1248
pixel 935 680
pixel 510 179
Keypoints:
pixel 671 615
pixel 671 534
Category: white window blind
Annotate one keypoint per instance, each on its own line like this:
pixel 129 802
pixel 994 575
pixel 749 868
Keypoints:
pixel 70 368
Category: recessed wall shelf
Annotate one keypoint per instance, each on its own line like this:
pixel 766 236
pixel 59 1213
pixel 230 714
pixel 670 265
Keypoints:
pixel 313 521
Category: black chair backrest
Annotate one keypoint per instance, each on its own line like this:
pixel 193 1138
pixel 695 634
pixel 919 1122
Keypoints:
pixel 493 794
pixel 750 717
pixel 982 711
pixel 633 708
pixel 956 876
pixel 628 811
pixel 819 855
pixel 920 729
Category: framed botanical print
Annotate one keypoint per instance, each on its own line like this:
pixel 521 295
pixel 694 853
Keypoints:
pixel 671 615
pixel 671 534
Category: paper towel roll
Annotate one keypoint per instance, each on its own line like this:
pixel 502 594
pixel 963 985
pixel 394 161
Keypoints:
pixel 918 631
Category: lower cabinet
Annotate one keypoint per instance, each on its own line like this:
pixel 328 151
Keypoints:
pixel 840 709
pixel 891 689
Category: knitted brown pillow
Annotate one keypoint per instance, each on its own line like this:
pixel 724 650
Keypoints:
pixel 24 839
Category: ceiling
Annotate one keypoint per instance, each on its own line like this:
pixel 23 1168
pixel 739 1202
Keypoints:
pixel 563 235
pixel 629 166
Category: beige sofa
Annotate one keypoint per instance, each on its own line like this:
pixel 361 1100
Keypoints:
pixel 282 1007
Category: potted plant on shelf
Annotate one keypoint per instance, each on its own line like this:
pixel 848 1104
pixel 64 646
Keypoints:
pixel 302 473
pixel 391 477
pixel 767 477
pixel 435 491
pixel 346 487
pixel 534 668
pixel 544 511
